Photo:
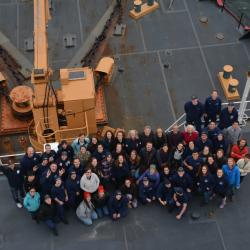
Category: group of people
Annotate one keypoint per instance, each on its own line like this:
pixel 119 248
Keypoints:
pixel 107 176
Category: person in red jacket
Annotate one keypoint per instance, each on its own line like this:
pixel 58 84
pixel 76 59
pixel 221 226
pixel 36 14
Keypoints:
pixel 190 134
pixel 239 150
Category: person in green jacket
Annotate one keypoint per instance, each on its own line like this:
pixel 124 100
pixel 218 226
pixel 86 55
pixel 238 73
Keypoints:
pixel 32 203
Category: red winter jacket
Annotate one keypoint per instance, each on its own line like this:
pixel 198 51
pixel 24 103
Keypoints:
pixel 237 153
pixel 190 137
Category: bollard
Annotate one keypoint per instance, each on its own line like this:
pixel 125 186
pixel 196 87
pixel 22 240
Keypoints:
pixel 137 5
pixel 228 69
pixel 150 2
pixel 233 84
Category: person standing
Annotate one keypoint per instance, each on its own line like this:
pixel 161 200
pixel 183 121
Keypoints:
pixel 32 203
pixel 228 116
pixel 194 111
pixel 15 178
pixel 244 166
pixel 60 196
pixel 232 173
pixel 212 108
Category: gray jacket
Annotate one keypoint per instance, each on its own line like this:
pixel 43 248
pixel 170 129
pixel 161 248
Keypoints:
pixel 233 135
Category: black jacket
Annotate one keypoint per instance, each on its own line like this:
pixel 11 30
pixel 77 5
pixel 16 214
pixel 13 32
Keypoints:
pixel 98 202
pixel 15 177
pixel 47 212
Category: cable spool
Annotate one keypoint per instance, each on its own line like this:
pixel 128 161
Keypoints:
pixel 228 69
pixel 21 101
pixel 233 84
pixel 137 6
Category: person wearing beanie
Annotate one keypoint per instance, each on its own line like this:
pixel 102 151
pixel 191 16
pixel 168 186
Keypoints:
pixel 32 202
pixel 86 210
pixel 89 181
pixel 146 191
pixel 165 193
pixel 153 176
pixel 60 196
pixel 129 189
pixel 47 213
pixel 100 201
pixel 72 186
pixel 118 205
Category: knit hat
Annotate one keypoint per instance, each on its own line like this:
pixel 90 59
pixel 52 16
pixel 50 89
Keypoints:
pixel 178 190
pixel 118 192
pixel 86 195
pixel 100 189
pixel 152 166
pixel 180 169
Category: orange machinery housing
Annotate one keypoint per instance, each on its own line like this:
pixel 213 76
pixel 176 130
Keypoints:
pixel 61 115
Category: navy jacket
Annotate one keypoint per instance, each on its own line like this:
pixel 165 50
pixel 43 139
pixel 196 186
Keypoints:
pixel 196 164
pixel 212 133
pixel 219 145
pixel 69 150
pixel 118 206
pixel 58 192
pixel 47 183
pixel 201 144
pixel 193 112
pixel 99 156
pixel 28 163
pixel 144 139
pixel 133 145
pixel 227 119
pixel 72 187
pixel 15 177
pixel 221 185
pixel 164 192
pixel 205 183
pixel 184 182
pixel 146 192
pixel 79 171
pixel 212 107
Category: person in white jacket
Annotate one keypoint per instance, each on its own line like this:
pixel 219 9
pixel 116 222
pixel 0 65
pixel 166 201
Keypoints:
pixel 244 166
pixel 86 211
pixel 89 181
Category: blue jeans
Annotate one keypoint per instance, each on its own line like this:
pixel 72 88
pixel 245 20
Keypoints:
pixel 102 211
pixel 89 221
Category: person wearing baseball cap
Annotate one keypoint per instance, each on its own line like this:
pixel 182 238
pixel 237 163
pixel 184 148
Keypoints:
pixel 146 191
pixel 194 110
pixel 86 211
pixel 72 186
pixel 180 202
pixel 100 201
pixel 60 196
pixel 118 206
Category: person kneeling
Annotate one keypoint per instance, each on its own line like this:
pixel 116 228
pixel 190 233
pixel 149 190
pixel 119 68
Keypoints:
pixel 146 191
pixel 85 211
pixel 165 193
pixel 180 202
pixel 118 206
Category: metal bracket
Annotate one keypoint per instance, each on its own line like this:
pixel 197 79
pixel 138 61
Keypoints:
pixel 69 40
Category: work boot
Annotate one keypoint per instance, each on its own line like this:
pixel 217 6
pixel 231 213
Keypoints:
pixel 223 203
pixel 55 232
